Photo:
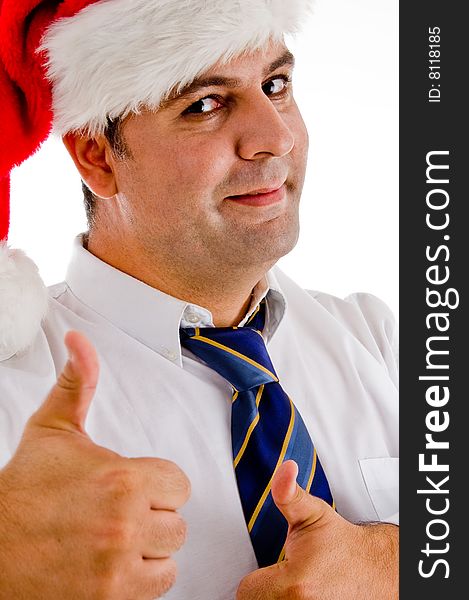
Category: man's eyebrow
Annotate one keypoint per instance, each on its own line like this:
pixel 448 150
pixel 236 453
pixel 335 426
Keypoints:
pixel 199 83
pixel 287 58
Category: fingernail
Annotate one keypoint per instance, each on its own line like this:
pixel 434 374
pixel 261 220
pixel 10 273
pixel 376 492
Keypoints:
pixel 71 358
pixel 292 491
pixel 293 482
pixel 297 468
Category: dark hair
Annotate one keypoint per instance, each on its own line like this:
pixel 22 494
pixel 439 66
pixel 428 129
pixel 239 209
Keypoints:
pixel 113 134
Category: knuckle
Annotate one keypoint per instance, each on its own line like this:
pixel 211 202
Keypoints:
pixel 165 580
pixel 117 535
pixel 110 541
pixel 66 383
pixel 174 477
pixel 171 532
pixel 300 495
pixel 121 483
pixel 185 487
pixel 115 526
pixel 168 468
pixel 179 532
pixel 109 582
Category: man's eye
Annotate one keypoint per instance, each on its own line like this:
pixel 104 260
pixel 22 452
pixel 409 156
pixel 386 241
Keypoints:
pixel 203 106
pixel 276 86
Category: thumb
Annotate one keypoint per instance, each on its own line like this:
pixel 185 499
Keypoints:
pixel 299 507
pixel 66 406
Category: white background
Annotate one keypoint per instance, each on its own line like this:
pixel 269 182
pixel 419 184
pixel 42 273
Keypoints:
pixel 346 84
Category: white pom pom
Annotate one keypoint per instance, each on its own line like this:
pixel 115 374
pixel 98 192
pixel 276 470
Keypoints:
pixel 23 301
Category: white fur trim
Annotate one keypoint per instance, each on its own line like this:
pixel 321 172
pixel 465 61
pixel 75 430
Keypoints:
pixel 23 301
pixel 116 56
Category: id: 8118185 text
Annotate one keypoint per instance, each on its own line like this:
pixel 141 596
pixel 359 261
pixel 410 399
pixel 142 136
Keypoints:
pixel 434 73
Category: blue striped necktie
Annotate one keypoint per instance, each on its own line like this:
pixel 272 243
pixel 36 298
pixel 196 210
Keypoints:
pixel 266 428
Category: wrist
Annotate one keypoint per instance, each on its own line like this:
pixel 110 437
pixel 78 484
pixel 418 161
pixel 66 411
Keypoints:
pixel 6 517
pixel 381 546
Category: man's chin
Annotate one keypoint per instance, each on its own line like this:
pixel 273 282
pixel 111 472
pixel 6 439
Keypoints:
pixel 264 249
pixel 284 247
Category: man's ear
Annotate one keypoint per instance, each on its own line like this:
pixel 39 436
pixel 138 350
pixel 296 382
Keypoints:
pixel 93 159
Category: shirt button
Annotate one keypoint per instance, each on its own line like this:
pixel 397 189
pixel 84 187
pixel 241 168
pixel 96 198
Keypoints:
pixel 170 355
pixel 193 318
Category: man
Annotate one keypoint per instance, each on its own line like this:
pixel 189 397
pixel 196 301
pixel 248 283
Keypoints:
pixel 195 194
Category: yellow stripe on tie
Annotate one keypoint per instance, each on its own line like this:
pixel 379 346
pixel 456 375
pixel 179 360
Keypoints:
pixel 253 314
pixel 282 554
pixel 235 353
pixel 254 422
pixel 286 441
pixel 235 395
pixel 313 471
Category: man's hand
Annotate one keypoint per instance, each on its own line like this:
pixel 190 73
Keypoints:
pixel 326 557
pixel 78 521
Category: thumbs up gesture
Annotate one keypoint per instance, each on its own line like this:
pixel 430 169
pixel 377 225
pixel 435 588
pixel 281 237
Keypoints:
pixel 326 556
pixel 78 521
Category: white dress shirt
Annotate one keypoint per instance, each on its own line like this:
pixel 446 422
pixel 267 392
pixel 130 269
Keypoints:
pixel 335 358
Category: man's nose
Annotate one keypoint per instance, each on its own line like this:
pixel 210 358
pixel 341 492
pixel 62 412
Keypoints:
pixel 263 131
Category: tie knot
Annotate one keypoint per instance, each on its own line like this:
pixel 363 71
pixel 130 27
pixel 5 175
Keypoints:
pixel 238 354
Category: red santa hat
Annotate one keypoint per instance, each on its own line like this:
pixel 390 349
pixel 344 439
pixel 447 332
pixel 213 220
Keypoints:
pixel 69 65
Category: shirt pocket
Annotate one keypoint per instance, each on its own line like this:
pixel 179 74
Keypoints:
pixel 381 477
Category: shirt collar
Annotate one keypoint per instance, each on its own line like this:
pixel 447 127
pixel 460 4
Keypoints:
pixel 149 315
pixel 198 316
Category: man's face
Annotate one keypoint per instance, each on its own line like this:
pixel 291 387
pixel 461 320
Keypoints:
pixel 185 195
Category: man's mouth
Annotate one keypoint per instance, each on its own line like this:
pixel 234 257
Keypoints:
pixel 260 197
